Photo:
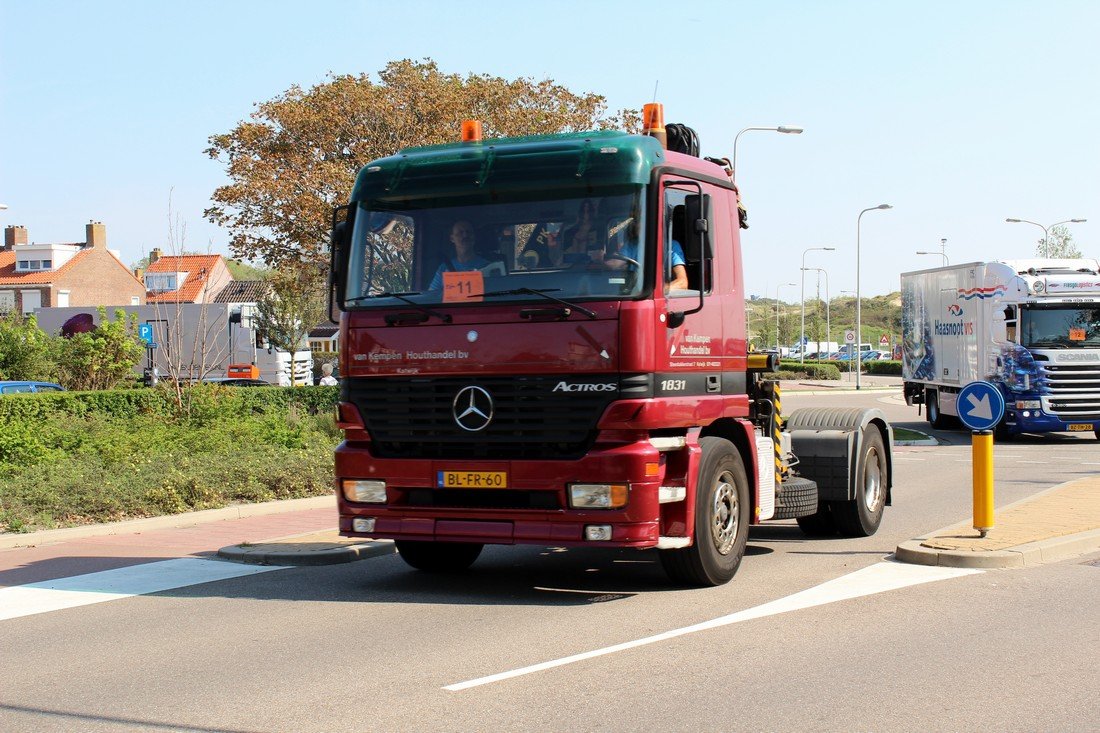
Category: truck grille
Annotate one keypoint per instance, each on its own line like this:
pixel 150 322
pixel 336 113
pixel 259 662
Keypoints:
pixel 414 417
pixel 1072 390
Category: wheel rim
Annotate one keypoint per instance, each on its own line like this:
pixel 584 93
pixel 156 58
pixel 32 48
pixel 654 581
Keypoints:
pixel 725 514
pixel 872 479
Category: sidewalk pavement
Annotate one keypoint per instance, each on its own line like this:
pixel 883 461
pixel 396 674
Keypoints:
pixel 1055 524
pixel 846 383
pixel 1060 522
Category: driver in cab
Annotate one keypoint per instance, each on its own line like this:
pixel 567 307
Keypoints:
pixel 676 277
pixel 465 257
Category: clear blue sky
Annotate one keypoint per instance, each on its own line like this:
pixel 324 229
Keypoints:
pixel 959 114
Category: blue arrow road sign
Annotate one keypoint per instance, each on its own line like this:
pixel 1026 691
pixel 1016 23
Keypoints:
pixel 145 332
pixel 980 405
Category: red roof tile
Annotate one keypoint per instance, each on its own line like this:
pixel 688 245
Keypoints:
pixel 8 275
pixel 199 269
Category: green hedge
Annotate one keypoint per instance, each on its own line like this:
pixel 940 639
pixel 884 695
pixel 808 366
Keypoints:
pixel 161 401
pixel 75 458
pixel 886 366
pixel 808 370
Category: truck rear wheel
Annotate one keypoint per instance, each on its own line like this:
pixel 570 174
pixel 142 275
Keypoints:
pixel 722 514
pixel 438 557
pixel 861 516
pixel 936 419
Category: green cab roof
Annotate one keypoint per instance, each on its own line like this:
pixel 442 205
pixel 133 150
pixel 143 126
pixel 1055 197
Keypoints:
pixel 538 164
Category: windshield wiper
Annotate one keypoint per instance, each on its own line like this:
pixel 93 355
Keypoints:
pixel 445 317
pixel 1048 344
pixel 542 294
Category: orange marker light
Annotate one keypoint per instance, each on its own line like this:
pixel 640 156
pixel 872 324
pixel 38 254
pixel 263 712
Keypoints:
pixel 471 131
pixel 653 122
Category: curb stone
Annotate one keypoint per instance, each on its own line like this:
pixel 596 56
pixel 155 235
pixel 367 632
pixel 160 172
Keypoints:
pixel 1021 556
pixel 11 540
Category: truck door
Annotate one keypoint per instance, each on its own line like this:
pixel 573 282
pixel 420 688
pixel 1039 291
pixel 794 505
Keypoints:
pixel 693 362
pixel 950 347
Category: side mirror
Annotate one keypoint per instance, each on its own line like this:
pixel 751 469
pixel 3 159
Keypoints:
pixel 339 249
pixel 697 211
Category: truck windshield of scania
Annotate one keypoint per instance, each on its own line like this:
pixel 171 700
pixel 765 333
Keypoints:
pixel 542 341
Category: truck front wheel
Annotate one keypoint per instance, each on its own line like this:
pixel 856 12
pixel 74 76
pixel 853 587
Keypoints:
pixel 861 516
pixel 438 557
pixel 722 514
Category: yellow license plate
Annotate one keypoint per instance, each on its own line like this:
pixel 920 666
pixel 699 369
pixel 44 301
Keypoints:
pixel 1080 427
pixel 471 479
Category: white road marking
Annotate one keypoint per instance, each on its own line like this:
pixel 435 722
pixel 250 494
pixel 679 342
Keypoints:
pixel 877 578
pixel 111 585
pixel 1036 462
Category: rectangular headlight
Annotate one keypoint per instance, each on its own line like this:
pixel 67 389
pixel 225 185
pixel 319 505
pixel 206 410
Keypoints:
pixel 1028 404
pixel 364 492
pixel 598 496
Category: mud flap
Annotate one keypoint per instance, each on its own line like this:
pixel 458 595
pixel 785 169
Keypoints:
pixel 827 443
pixel 827 457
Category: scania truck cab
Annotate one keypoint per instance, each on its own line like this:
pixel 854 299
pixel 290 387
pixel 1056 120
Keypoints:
pixel 553 381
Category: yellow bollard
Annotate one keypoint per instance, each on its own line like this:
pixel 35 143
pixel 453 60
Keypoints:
pixel 982 458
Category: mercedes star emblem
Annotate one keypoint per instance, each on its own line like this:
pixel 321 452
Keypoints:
pixel 473 409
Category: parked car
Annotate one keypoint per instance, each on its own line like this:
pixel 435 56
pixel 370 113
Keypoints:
pixel 236 382
pixel 14 387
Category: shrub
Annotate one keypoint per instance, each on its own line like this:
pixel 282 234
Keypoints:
pixel 886 366
pixel 80 457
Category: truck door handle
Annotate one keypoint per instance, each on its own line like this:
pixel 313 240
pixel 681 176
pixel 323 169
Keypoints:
pixel 714 382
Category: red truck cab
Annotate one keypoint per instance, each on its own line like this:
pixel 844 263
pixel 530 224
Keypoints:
pixel 522 364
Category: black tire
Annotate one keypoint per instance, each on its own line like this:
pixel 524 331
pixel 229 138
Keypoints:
pixel 1001 433
pixel 820 524
pixel 936 419
pixel 722 515
pixel 438 557
pixel 797 498
pixel 861 516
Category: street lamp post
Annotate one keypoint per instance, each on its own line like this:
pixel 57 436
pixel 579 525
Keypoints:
pixel 802 333
pixel 828 316
pixel 1046 229
pixel 859 316
pixel 942 253
pixel 784 129
pixel 780 285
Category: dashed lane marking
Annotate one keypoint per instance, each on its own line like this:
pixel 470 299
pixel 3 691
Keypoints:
pixel 112 585
pixel 877 578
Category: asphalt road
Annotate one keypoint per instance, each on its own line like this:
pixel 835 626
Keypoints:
pixel 373 645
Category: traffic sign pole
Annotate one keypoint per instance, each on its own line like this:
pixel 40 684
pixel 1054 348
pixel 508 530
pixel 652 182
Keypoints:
pixel 982 457
pixel 981 407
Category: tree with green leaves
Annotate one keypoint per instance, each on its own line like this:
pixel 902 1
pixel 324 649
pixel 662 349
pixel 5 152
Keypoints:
pixel 25 352
pixel 1059 244
pixel 102 357
pixel 291 305
pixel 297 157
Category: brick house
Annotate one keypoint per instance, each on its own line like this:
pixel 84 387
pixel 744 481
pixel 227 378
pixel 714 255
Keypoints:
pixel 86 274
pixel 185 278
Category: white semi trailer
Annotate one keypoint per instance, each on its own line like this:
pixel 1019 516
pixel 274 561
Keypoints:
pixel 195 341
pixel 1031 327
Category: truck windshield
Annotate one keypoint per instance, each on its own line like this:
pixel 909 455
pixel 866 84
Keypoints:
pixel 575 248
pixel 1062 327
